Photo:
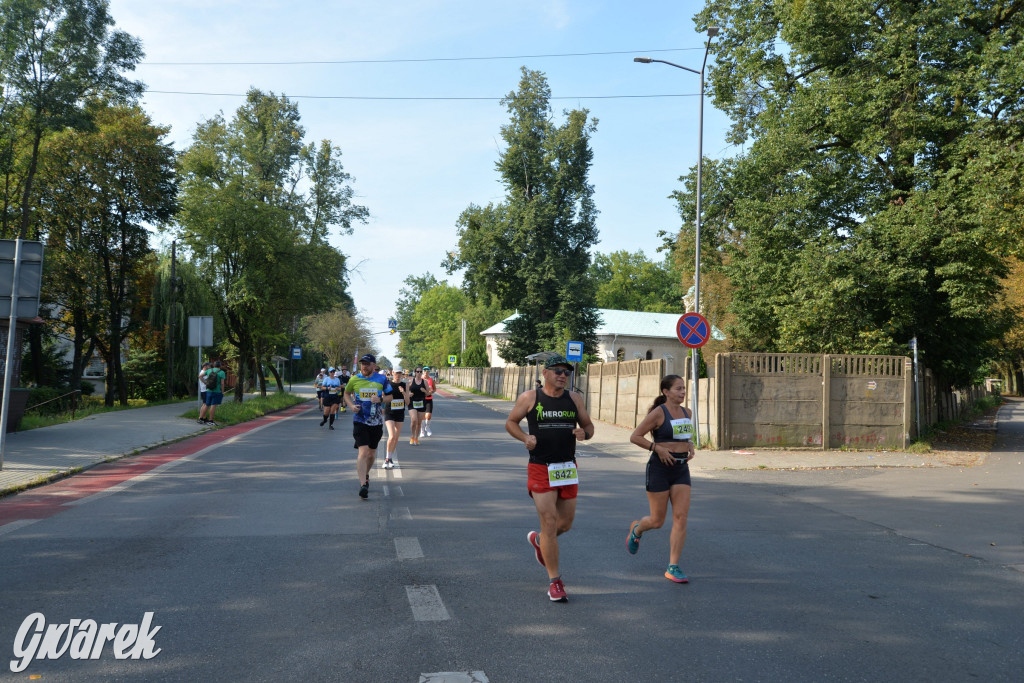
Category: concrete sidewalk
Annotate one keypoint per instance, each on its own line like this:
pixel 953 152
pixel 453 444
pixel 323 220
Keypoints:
pixel 613 439
pixel 40 455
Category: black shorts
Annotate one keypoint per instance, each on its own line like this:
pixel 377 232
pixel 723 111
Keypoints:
pixel 661 478
pixel 319 393
pixel 429 406
pixel 332 399
pixel 394 416
pixel 367 435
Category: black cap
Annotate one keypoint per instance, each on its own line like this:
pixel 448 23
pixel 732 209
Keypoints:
pixel 368 358
pixel 556 360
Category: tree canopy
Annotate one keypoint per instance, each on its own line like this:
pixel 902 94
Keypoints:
pixel 258 237
pixel 531 251
pixel 879 190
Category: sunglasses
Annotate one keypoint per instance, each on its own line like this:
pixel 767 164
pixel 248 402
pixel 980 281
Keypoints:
pixel 560 371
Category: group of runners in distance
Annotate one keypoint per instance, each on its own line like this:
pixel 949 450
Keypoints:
pixel 377 399
pixel 556 420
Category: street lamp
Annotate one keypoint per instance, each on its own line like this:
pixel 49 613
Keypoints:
pixel 712 32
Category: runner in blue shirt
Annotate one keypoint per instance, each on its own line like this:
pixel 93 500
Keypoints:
pixel 365 394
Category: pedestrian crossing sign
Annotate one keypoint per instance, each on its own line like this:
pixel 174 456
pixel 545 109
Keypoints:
pixel 452 359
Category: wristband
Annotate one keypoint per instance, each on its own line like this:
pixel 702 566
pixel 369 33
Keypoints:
pixel 651 449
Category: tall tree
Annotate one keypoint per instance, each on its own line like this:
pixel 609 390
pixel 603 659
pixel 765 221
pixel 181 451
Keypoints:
pixel 257 206
pixel 55 55
pixel 857 215
pixel 531 252
pixel 97 192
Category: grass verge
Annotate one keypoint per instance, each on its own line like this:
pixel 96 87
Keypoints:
pixel 232 413
pixel 88 407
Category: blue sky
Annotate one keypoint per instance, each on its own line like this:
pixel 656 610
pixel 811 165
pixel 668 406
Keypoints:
pixel 418 163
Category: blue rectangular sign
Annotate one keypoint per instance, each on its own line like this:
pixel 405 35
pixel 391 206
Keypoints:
pixel 574 352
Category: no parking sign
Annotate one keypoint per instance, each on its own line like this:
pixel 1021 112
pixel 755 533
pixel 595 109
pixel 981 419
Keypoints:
pixel 693 330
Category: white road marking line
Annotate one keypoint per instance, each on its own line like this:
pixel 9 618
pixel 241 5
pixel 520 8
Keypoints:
pixel 396 473
pixel 426 603
pixel 14 526
pixel 408 548
pixel 384 488
pixel 401 513
pixel 399 491
pixel 455 677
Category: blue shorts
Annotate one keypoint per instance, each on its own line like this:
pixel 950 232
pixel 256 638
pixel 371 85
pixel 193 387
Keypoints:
pixel 661 477
pixel 214 398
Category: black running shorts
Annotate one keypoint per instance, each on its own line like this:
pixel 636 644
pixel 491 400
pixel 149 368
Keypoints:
pixel 660 477
pixel 367 435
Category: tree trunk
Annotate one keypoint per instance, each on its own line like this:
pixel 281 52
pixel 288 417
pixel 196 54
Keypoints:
pixel 277 377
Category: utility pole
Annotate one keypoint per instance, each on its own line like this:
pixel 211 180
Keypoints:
pixel 170 332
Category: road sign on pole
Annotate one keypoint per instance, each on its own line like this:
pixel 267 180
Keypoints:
pixel 452 359
pixel 574 352
pixel 693 330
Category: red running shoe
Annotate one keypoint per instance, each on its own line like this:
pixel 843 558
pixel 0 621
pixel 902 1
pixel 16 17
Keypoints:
pixel 532 538
pixel 556 591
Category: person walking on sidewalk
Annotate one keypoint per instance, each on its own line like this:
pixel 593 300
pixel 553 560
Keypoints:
pixel 214 394
pixel 668 472
pixel 365 393
pixel 394 416
pixel 202 385
pixel 556 419
pixel 332 397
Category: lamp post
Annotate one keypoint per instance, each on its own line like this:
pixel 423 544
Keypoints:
pixel 712 32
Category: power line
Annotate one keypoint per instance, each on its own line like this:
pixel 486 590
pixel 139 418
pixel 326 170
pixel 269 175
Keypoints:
pixel 419 60
pixel 416 99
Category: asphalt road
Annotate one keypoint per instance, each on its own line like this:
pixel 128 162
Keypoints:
pixel 260 562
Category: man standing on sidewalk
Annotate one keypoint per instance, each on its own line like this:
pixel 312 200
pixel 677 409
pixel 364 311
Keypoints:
pixel 364 394
pixel 552 415
pixel 214 394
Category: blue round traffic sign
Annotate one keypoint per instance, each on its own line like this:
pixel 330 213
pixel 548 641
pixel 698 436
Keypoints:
pixel 693 330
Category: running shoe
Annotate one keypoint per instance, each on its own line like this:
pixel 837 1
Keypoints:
pixel 364 491
pixel 633 540
pixel 323 422
pixel 556 591
pixel 429 431
pixel 211 423
pixel 201 421
pixel 532 538
pixel 331 427
pixel 674 574
pixel 423 433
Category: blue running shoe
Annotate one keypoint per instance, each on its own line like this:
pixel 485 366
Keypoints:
pixel 673 574
pixel 633 540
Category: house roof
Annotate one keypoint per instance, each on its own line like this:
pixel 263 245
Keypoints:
pixel 626 323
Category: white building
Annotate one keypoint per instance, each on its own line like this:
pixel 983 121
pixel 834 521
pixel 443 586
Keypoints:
pixel 621 335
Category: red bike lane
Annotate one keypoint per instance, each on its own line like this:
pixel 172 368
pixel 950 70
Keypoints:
pixel 50 499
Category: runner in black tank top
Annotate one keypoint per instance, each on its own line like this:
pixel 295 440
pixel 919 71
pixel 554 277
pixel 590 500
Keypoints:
pixel 667 434
pixel 556 419
pixel 417 397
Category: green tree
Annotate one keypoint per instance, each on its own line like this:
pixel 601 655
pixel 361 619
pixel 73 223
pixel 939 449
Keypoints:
pixel 629 281
pixel 97 191
pixel 436 327
pixel 857 216
pixel 409 296
pixel 337 334
pixel 256 236
pixel 531 252
pixel 56 54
